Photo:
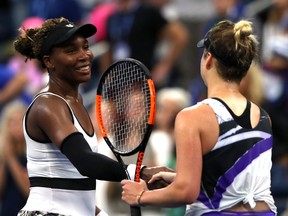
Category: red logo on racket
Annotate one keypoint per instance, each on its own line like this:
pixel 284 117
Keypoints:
pixel 138 166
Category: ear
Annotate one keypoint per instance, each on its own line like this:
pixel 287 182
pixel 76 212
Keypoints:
pixel 47 62
pixel 208 60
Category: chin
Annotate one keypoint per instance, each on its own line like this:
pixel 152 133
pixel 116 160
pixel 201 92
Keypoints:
pixel 86 77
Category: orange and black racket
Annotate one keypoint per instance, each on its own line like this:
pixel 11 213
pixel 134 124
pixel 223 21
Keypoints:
pixel 125 110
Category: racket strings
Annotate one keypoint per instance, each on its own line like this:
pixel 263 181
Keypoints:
pixel 127 98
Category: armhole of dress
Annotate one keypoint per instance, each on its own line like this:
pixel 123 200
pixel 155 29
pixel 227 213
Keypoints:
pixel 209 102
pixel 264 114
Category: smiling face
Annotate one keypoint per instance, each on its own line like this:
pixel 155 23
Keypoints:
pixel 71 61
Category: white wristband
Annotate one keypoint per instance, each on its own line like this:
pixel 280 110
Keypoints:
pixel 131 168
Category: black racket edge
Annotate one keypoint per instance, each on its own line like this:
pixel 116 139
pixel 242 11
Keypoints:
pixel 142 145
pixel 134 210
pixel 119 159
pixel 141 153
pixel 152 107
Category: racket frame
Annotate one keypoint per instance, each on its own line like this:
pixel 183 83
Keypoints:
pixel 135 210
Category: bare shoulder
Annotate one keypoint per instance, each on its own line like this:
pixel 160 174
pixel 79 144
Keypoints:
pixel 199 120
pixel 49 118
pixel 48 105
pixel 200 113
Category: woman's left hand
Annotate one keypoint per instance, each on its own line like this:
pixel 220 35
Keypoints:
pixel 168 177
pixel 131 191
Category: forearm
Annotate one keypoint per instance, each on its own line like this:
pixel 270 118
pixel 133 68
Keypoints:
pixel 178 37
pixel 91 164
pixel 19 174
pixel 169 197
pixel 13 88
pixel 174 195
pixel 2 178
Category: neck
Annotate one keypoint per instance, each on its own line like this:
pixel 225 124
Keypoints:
pixel 224 89
pixel 65 90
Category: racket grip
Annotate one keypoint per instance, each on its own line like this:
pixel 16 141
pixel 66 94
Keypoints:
pixel 135 211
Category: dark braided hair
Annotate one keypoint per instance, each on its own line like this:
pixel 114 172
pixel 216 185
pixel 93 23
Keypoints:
pixel 29 42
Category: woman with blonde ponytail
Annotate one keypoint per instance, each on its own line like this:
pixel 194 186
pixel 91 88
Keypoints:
pixel 223 143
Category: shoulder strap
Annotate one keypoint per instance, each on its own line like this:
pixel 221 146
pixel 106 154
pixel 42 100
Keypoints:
pixel 244 119
pixel 50 93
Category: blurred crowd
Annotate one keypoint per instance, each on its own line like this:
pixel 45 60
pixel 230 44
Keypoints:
pixel 167 46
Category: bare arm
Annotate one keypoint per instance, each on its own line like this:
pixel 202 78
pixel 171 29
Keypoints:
pixel 177 36
pixel 13 88
pixel 19 174
pixel 186 186
pixel 49 119
pixel 2 179
pixel 196 132
pixel 56 125
pixel 168 177
pixel 17 170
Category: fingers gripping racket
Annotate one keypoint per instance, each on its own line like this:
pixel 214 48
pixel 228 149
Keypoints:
pixel 125 110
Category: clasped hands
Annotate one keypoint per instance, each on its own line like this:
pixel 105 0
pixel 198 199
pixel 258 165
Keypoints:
pixel 151 178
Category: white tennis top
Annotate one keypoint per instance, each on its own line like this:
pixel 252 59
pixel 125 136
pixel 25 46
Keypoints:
pixel 46 162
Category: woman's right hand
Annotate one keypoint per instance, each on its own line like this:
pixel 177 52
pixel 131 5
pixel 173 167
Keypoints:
pixel 168 177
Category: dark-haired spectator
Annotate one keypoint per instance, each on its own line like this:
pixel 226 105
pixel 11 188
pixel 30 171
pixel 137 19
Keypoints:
pixel 135 29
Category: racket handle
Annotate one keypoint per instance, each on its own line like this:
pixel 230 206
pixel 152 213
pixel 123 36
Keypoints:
pixel 135 211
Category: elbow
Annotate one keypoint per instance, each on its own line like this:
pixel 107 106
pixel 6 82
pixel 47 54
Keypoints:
pixel 190 196
pixel 82 170
pixel 188 193
pixel 83 173
pixel 183 34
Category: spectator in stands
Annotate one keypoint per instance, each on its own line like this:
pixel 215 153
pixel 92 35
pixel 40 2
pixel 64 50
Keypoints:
pixel 135 29
pixel 14 182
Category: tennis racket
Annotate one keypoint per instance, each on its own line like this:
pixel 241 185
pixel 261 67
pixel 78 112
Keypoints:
pixel 125 110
